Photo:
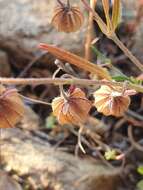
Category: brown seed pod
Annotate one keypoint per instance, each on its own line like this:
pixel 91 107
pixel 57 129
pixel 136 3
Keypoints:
pixel 72 110
pixel 111 101
pixel 67 18
pixel 11 107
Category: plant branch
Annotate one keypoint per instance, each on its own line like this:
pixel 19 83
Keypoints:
pixel 69 81
pixel 111 35
pixel 90 32
pixel 126 51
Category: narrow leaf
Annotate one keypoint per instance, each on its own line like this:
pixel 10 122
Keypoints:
pixel 76 60
pixel 100 55
pixel 101 24
pixel 97 18
pixel 121 78
pixel 116 13
pixel 140 170
pixel 106 11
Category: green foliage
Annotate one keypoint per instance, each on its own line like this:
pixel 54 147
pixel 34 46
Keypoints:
pixel 136 81
pixel 110 155
pixel 140 170
pixel 50 122
pixel 140 185
pixel 121 78
pixel 100 55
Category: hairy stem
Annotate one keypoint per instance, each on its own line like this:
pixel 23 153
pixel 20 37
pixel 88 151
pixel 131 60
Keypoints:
pixel 111 35
pixel 126 51
pixel 90 32
pixel 61 3
pixel 61 81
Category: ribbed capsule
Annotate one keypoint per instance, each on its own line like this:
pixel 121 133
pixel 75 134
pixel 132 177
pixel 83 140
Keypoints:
pixel 67 18
pixel 74 109
pixel 11 107
pixel 111 101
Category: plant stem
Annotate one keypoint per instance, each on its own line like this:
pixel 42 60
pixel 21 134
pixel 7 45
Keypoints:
pixel 69 81
pixel 61 3
pixel 111 35
pixel 90 32
pixel 97 18
pixel 126 51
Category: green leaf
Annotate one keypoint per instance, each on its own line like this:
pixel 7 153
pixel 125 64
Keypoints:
pixel 110 155
pixel 50 122
pixel 136 81
pixel 140 170
pixel 140 185
pixel 100 56
pixel 121 78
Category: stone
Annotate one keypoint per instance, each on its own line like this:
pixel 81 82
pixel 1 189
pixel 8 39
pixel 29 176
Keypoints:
pixel 26 23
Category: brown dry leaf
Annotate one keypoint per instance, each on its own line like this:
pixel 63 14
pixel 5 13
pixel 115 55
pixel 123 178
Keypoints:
pixel 7 183
pixel 76 60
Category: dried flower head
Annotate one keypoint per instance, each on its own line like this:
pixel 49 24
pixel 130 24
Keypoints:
pixel 11 107
pixel 112 101
pixel 72 110
pixel 67 18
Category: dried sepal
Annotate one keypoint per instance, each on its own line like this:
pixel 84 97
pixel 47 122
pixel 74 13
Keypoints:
pixel 67 18
pixel 11 107
pixel 72 110
pixel 111 101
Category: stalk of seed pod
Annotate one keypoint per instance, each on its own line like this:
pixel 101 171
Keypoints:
pixel 67 18
pixel 72 108
pixel 11 107
pixel 112 101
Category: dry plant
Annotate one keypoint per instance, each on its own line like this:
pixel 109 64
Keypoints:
pixel 72 106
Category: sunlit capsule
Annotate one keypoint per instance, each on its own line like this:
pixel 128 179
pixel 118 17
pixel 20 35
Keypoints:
pixel 72 110
pixel 111 101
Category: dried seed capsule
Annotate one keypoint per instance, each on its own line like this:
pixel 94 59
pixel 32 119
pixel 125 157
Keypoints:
pixel 11 107
pixel 74 109
pixel 111 101
pixel 67 18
